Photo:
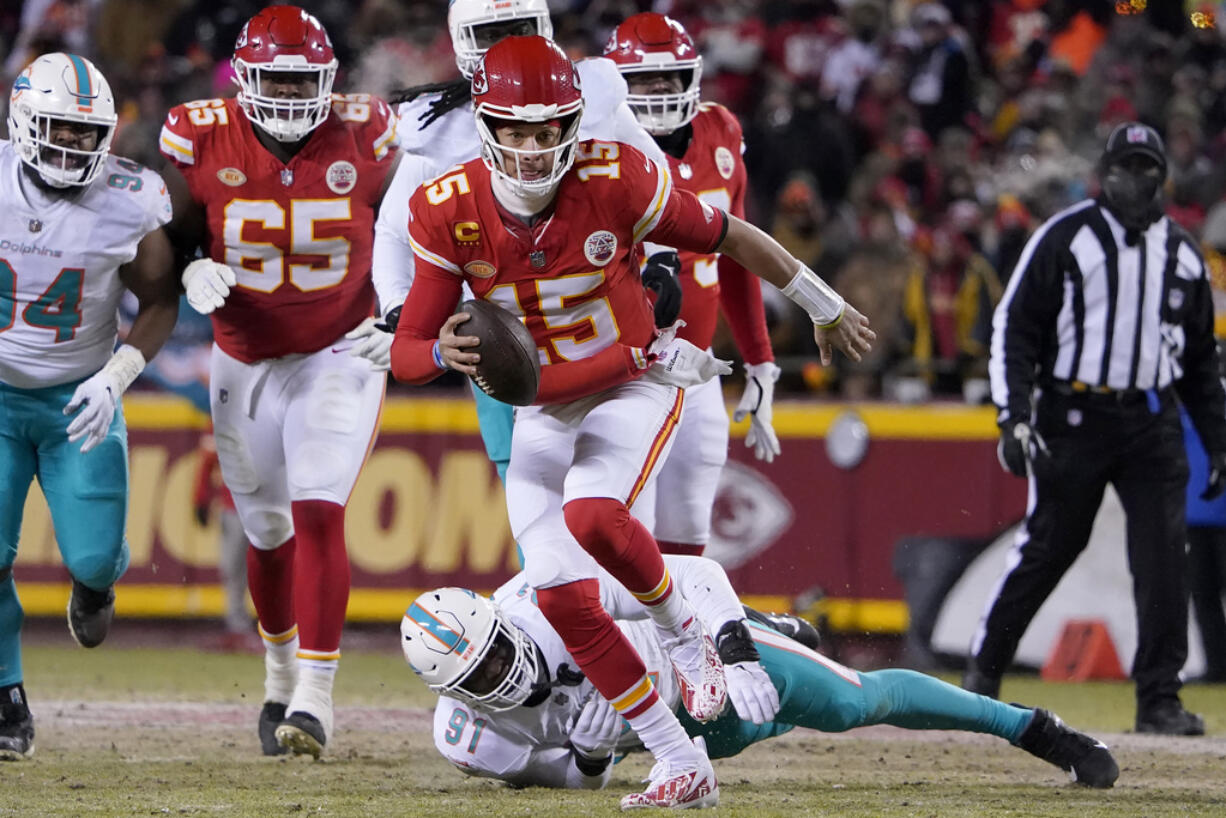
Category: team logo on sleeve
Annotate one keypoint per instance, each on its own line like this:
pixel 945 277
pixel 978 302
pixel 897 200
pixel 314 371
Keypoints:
pixel 232 177
pixel 724 162
pixel 341 177
pixel 600 247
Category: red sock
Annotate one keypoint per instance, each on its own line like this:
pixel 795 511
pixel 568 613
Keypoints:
pixel 621 544
pixel 598 645
pixel 270 579
pixel 685 549
pixel 321 574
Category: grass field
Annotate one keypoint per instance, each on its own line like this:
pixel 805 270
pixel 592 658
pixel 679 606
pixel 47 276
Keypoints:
pixel 125 730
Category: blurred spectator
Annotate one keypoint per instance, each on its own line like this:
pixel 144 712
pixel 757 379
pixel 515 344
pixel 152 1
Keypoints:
pixel 211 500
pixel 1005 242
pixel 947 311
pixel 404 45
pixel 819 237
pixel 794 131
pixel 980 116
pixel 875 276
pixel 732 40
pixel 128 29
pixel 856 56
pixel 941 84
pixel 51 25
pixel 881 109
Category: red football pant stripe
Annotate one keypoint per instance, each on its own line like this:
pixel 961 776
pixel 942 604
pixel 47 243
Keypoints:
pixel 657 446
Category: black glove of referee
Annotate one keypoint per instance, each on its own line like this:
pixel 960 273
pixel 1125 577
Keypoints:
pixel 660 276
pixel 1019 445
pixel 1217 476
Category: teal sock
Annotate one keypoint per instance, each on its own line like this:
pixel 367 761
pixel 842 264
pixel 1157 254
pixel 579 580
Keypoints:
pixel 916 701
pixel 11 618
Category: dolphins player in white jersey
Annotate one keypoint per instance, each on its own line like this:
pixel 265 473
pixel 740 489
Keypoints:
pixel 512 705
pixel 437 130
pixel 80 226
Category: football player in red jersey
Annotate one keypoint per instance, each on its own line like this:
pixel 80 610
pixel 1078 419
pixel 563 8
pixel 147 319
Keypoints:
pixel 280 188
pixel 548 227
pixel 703 143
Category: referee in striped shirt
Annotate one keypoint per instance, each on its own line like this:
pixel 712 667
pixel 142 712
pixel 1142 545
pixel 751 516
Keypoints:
pixel 1107 321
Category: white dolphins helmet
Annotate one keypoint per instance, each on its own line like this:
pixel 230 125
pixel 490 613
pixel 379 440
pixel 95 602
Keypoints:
pixel 61 87
pixel 463 646
pixel 465 17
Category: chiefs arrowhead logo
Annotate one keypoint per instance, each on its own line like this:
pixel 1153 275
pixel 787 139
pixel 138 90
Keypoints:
pixel 750 514
pixel 480 83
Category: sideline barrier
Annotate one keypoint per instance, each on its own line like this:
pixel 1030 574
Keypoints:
pixel 429 510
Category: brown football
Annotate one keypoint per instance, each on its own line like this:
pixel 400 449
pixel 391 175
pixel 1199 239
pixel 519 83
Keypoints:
pixel 510 368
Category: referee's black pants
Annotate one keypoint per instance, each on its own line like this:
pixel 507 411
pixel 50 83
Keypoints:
pixel 1134 442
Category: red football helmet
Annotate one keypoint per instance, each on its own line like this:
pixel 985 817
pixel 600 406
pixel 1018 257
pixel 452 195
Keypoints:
pixel 527 79
pixel 284 40
pixel 651 42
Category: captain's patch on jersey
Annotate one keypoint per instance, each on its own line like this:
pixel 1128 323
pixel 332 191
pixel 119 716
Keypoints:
pixel 724 162
pixel 341 177
pixel 600 247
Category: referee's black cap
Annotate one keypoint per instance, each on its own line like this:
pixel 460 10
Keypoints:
pixel 1133 138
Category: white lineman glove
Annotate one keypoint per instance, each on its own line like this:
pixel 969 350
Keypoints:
pixel 207 284
pixel 680 363
pixel 756 402
pixel 596 729
pixel 752 692
pixel 373 343
pixel 98 396
pixel 750 689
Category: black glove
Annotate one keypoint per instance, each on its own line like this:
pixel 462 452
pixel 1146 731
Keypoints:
pixel 660 276
pixel 1019 444
pixel 1217 476
pixel 390 321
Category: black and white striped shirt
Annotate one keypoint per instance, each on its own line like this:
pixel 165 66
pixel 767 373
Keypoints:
pixel 1085 307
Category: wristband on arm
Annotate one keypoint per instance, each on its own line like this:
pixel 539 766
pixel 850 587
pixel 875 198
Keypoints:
pixel 816 297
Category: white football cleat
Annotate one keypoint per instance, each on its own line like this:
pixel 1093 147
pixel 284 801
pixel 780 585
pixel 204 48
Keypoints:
pixel 699 671
pixel 688 784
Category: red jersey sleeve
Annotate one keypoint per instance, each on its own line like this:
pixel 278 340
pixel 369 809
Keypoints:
pixel 658 211
pixel 682 221
pixel 571 380
pixel 740 297
pixel 373 122
pixel 433 297
pixel 177 141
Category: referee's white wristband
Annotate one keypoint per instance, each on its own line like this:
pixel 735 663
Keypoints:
pixel 815 296
pixel 125 365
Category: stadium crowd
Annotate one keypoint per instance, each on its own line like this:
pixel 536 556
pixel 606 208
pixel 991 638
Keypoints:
pixel 904 149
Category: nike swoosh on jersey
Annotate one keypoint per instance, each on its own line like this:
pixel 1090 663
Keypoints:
pixel 174 120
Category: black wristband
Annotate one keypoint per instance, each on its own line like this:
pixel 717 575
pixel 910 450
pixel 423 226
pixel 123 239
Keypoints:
pixel 735 644
pixel 392 319
pixel 591 767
